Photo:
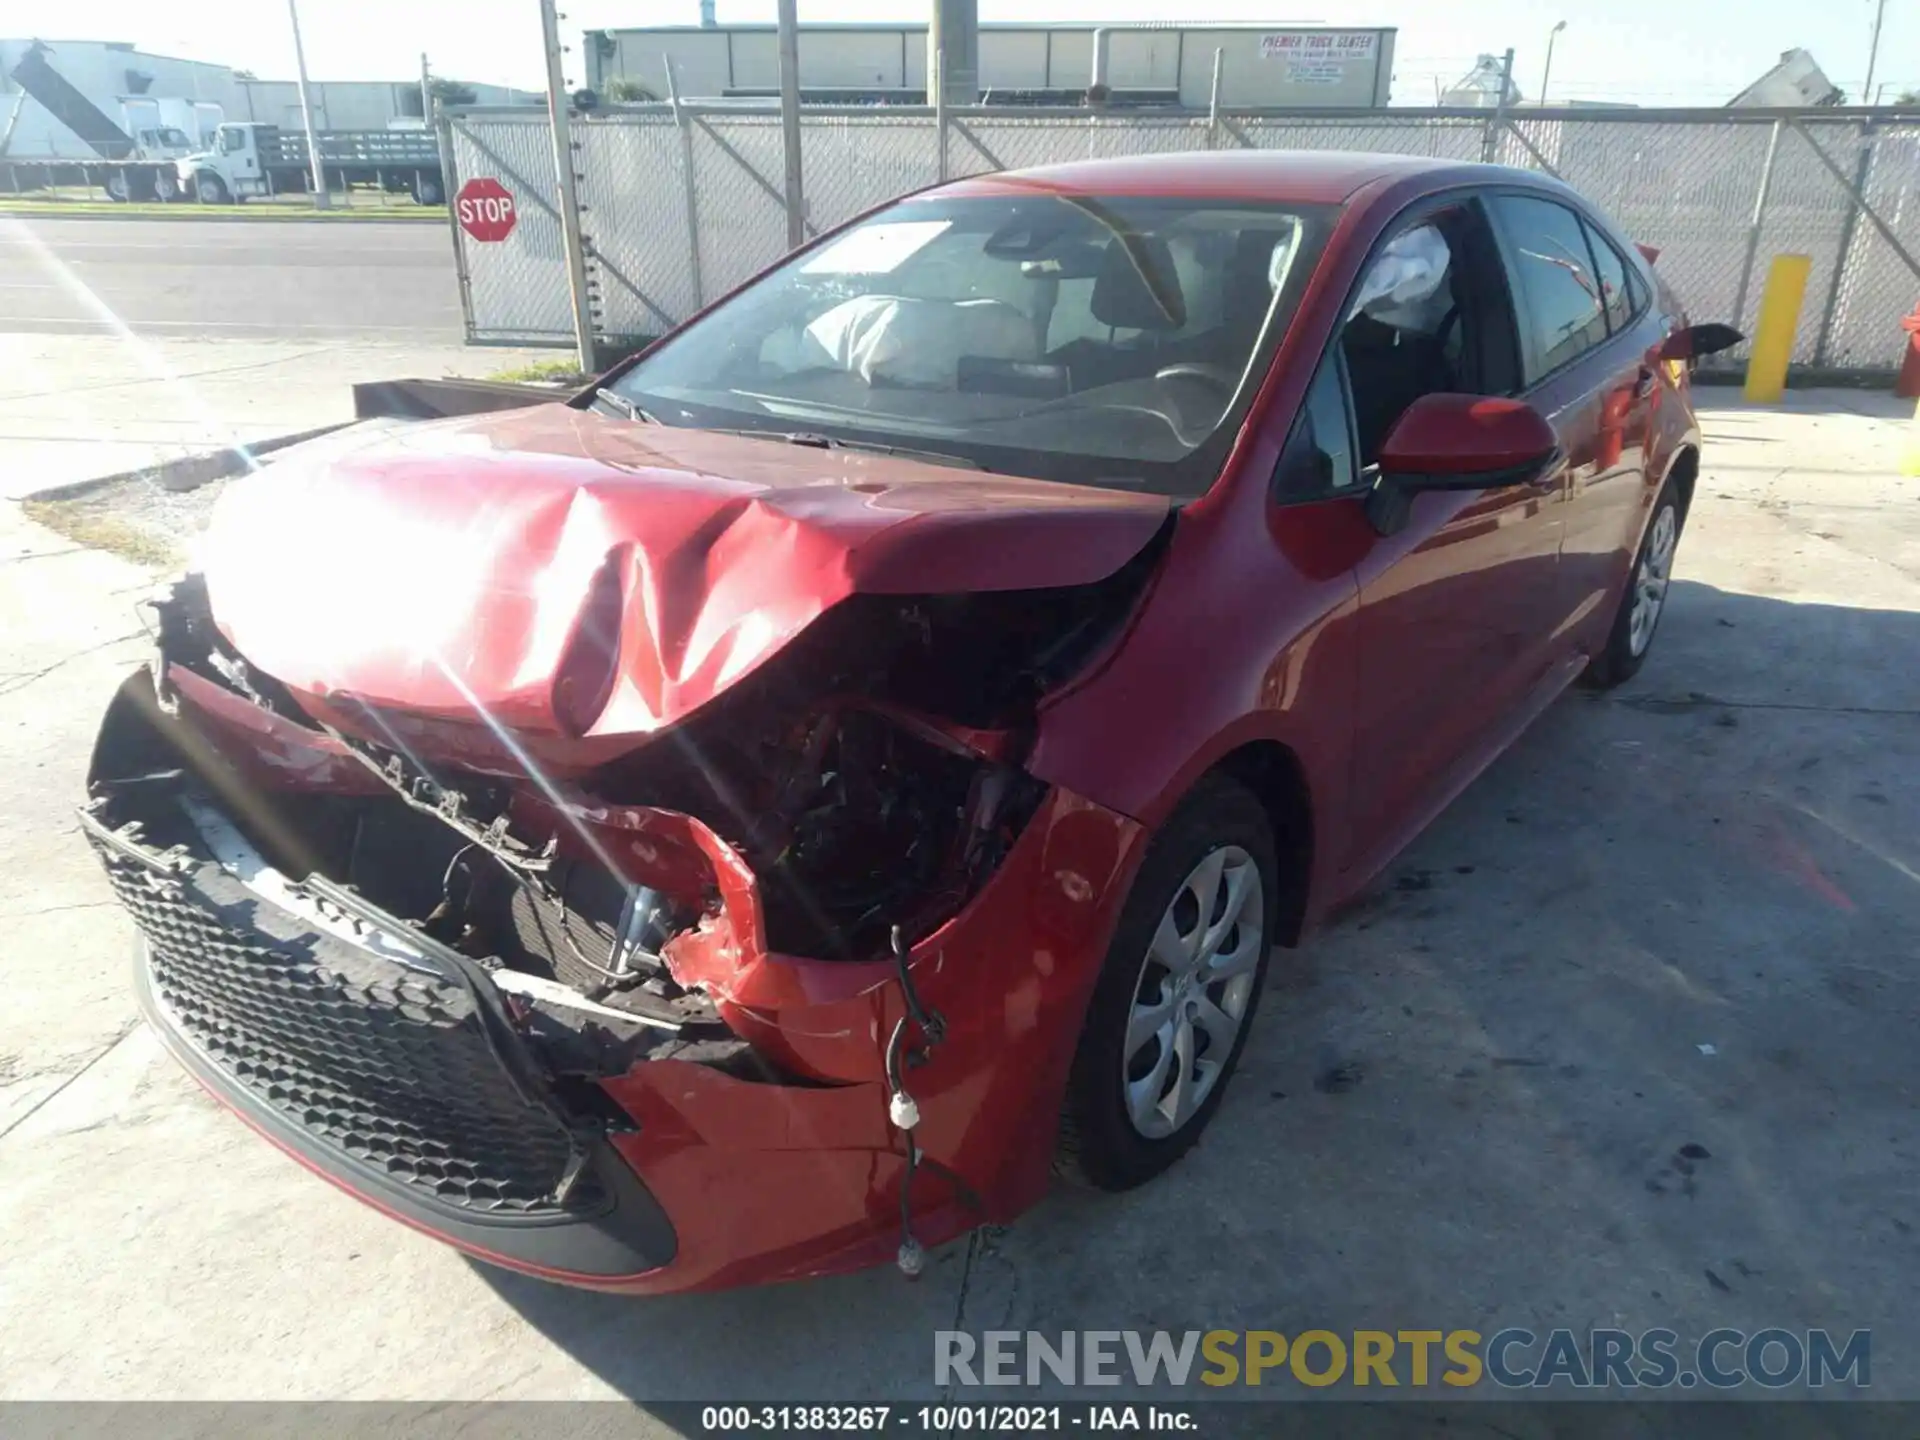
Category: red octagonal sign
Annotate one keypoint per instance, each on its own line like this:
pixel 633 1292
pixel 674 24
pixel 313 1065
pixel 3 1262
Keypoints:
pixel 484 208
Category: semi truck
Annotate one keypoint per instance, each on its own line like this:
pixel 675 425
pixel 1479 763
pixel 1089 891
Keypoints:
pixel 248 161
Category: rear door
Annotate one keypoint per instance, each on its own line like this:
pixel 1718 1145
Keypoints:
pixel 1589 376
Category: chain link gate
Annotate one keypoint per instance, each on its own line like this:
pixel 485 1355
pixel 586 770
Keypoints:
pixel 512 290
pixel 682 203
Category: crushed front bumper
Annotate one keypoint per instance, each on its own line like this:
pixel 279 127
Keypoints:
pixel 386 1079
pixel 405 1075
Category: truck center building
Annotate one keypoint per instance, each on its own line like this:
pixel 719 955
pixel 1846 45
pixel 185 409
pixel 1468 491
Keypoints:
pixel 1261 66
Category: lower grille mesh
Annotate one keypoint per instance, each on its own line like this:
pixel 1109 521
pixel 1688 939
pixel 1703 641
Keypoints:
pixel 383 1064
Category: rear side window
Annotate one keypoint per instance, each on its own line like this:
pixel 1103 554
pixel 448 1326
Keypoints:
pixel 1617 290
pixel 1561 312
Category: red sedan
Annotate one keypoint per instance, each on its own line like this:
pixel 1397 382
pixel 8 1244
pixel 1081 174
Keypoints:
pixel 768 814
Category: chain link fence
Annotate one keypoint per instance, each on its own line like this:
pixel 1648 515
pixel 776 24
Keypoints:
pixel 680 204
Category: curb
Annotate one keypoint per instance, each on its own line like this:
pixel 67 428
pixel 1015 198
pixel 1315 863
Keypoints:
pixel 189 472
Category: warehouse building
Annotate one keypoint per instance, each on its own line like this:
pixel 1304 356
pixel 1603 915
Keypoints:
pixel 1261 66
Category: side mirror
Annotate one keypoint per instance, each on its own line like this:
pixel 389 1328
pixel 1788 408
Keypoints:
pixel 1459 442
pixel 1693 341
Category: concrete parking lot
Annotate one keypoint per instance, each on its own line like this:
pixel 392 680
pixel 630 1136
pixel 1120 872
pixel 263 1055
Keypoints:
pixel 1625 1039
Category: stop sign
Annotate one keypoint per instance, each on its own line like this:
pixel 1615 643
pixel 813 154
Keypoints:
pixel 484 209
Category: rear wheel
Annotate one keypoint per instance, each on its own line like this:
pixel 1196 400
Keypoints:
pixel 1644 600
pixel 1171 1010
pixel 427 190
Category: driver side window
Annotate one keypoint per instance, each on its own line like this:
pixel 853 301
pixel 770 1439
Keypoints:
pixel 1431 315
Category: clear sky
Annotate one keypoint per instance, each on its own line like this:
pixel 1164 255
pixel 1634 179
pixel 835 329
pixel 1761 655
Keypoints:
pixel 1685 52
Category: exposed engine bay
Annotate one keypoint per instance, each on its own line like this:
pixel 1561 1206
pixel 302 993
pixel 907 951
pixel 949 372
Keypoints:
pixel 849 795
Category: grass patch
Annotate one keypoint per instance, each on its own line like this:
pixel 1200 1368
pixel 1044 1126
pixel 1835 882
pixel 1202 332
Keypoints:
pixel 85 525
pixel 543 372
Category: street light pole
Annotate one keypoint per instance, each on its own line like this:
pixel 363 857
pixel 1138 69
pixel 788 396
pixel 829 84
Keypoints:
pixel 306 111
pixel 1547 72
pixel 1873 53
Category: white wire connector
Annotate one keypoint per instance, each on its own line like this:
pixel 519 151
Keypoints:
pixel 902 1111
pixel 912 1259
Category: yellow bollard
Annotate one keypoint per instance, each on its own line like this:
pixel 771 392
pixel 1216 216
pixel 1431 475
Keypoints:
pixel 1910 461
pixel 1773 333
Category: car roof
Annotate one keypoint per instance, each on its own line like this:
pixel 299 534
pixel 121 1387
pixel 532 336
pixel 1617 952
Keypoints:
pixel 1324 177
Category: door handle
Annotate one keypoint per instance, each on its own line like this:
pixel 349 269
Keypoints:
pixel 1643 385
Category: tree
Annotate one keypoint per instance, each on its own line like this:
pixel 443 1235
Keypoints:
pixel 451 92
pixel 625 91
pixel 245 75
pixel 1907 97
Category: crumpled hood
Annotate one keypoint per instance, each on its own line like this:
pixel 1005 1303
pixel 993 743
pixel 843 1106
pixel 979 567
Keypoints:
pixel 442 570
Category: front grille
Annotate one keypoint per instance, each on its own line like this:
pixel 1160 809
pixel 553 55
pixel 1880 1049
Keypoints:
pixel 385 1065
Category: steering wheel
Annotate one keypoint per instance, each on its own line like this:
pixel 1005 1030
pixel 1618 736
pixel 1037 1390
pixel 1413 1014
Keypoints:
pixel 1204 372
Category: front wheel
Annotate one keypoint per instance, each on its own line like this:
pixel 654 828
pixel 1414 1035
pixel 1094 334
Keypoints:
pixel 117 188
pixel 166 189
pixel 1644 600
pixel 209 190
pixel 1174 1001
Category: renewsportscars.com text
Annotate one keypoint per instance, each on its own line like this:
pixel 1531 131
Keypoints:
pixel 1512 1358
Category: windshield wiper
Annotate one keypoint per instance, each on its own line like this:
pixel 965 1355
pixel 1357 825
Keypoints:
pixel 625 406
pixel 815 440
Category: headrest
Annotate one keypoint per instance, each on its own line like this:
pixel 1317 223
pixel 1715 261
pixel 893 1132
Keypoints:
pixel 1137 288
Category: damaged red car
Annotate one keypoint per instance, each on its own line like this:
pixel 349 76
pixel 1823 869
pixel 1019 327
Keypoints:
pixel 768 814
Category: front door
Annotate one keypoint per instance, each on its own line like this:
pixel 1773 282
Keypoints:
pixel 1457 609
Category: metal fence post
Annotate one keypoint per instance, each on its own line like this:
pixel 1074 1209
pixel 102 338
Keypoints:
pixel 1849 228
pixel 790 121
pixel 1213 106
pixel 443 126
pixel 569 195
pixel 1738 317
pixel 1490 140
pixel 685 127
pixel 940 117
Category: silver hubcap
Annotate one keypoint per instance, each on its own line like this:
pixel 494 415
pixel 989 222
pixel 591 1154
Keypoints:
pixel 1650 580
pixel 1195 986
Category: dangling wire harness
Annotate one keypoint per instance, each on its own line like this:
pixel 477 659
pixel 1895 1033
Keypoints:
pixel 901 1109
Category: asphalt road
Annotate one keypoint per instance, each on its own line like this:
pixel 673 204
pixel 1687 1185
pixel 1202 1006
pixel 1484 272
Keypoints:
pixel 229 279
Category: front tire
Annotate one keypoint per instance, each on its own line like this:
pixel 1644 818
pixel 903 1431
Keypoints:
pixel 1175 999
pixel 117 188
pixel 166 188
pixel 1645 598
pixel 209 190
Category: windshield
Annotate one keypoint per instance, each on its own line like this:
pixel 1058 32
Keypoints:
pixel 1111 341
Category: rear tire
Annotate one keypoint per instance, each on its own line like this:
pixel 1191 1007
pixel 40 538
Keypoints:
pixel 427 191
pixel 1175 999
pixel 1643 600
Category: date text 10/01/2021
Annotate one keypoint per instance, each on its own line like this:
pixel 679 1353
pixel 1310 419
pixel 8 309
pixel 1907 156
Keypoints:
pixel 942 1419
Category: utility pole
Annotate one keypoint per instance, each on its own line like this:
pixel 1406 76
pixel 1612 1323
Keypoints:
pixel 320 200
pixel 569 197
pixel 790 120
pixel 1546 72
pixel 1873 52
